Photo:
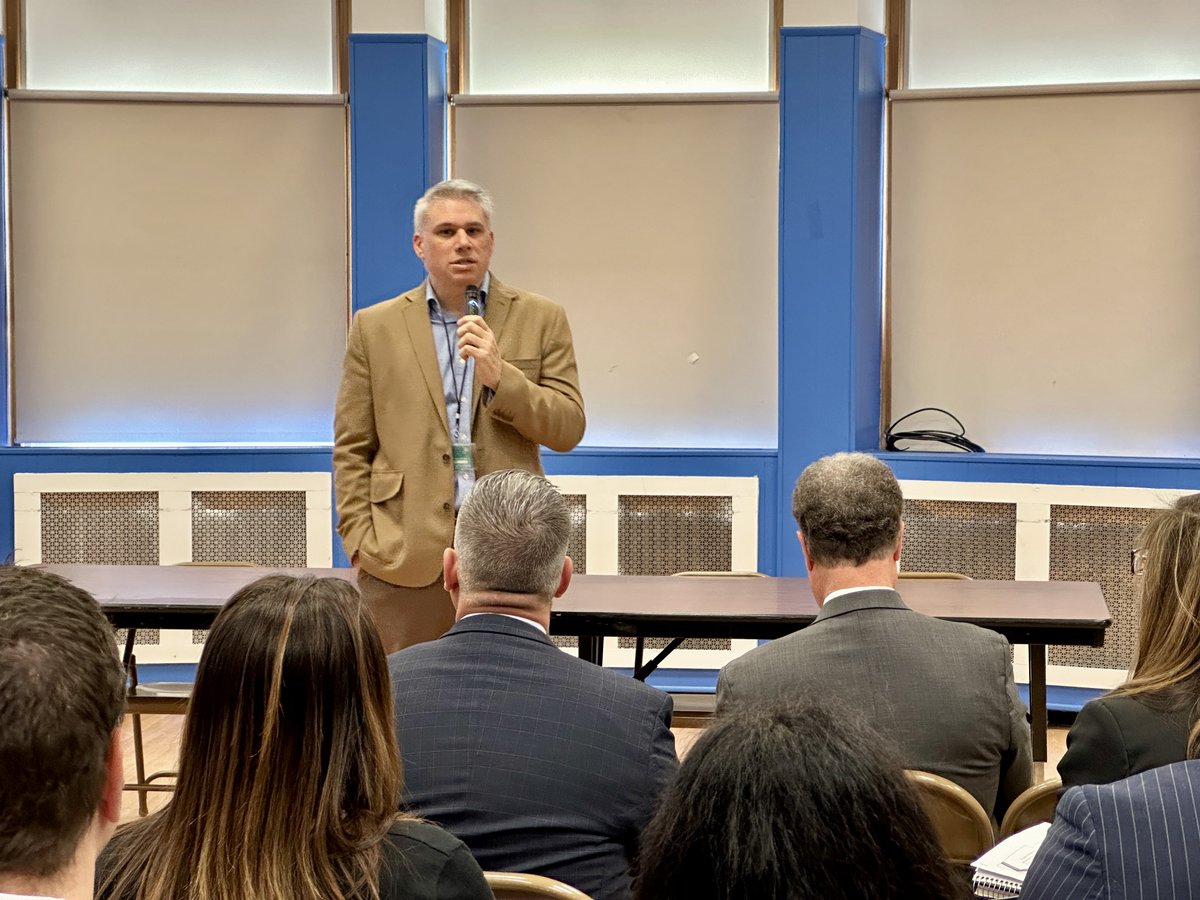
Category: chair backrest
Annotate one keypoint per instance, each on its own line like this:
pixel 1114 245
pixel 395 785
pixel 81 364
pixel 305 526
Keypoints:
pixel 945 576
pixel 1037 804
pixel 519 886
pixel 963 829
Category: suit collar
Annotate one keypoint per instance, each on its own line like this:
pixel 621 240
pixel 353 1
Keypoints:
pixel 870 598
pixel 495 624
pixel 420 334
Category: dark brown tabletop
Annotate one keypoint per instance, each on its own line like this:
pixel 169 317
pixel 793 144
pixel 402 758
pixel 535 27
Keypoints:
pixel 1030 612
pixel 1041 612
pixel 1038 612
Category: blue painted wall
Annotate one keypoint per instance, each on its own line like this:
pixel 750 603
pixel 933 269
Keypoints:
pixel 397 150
pixel 831 109
pixel 830 248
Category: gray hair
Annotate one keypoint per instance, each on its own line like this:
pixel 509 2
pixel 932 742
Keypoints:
pixel 512 535
pixel 454 189
pixel 848 507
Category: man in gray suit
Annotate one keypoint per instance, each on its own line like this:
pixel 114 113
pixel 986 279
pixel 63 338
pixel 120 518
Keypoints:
pixel 538 761
pixel 943 691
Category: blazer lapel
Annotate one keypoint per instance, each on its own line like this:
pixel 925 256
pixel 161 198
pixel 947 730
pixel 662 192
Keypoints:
pixel 499 299
pixel 420 334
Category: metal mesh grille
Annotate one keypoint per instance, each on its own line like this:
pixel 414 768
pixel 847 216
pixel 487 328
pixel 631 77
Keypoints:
pixel 629 643
pixel 1092 543
pixel 662 535
pixel 577 546
pixel 975 539
pixel 118 528
pixel 143 636
pixel 266 528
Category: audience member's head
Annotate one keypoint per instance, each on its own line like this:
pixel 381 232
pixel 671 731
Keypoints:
pixel 289 775
pixel 62 694
pixel 790 799
pixel 848 507
pixel 1167 658
pixel 510 544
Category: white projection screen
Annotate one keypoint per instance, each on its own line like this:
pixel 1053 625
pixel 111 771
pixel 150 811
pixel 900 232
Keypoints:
pixel 179 270
pixel 1045 257
pixel 655 225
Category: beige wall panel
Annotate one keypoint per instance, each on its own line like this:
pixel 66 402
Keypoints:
pixel 655 225
pixel 1045 269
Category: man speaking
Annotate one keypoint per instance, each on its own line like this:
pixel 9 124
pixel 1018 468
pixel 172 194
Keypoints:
pixel 454 379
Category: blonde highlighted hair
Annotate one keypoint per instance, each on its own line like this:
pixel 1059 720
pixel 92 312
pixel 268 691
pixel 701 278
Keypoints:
pixel 289 774
pixel 1166 666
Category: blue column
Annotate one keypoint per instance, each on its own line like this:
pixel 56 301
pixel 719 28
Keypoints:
pixel 830 253
pixel 397 150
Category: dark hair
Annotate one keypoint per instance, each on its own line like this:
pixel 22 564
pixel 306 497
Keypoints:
pixel 62 692
pixel 848 507
pixel 790 799
pixel 289 774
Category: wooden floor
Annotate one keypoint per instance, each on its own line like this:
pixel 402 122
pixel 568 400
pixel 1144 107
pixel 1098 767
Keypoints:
pixel 160 737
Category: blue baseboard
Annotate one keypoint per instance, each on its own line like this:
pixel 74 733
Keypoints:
pixel 680 681
pixel 673 681
pixel 173 672
pixel 1063 699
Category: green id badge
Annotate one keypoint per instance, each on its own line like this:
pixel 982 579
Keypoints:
pixel 464 458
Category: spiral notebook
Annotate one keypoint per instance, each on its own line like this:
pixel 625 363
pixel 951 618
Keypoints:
pixel 1000 872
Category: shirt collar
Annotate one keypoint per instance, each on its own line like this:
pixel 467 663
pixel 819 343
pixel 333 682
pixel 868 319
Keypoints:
pixel 852 590
pixel 537 625
pixel 432 300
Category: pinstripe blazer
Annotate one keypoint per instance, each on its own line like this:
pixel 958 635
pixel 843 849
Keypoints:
pixel 1135 838
pixel 942 691
pixel 539 762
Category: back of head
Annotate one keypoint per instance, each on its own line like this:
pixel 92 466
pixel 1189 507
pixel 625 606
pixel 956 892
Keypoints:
pixel 1167 658
pixel 62 693
pixel 289 774
pixel 452 189
pixel 848 507
pixel 512 536
pixel 790 799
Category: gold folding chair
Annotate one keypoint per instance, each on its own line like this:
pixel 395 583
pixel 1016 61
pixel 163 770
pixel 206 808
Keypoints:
pixel 1036 804
pixel 963 829
pixel 518 886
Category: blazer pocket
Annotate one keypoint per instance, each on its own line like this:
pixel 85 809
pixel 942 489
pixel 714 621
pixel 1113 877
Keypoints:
pixel 385 485
pixel 530 368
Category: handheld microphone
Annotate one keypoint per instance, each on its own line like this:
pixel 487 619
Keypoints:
pixel 472 295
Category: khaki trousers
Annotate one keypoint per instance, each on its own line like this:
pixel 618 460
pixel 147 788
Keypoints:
pixel 404 615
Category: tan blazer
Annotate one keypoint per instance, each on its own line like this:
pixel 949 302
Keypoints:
pixel 392 470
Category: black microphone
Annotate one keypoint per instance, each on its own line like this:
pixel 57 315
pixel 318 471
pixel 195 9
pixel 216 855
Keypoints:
pixel 472 295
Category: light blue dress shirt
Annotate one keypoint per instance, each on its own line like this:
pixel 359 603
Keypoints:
pixel 457 377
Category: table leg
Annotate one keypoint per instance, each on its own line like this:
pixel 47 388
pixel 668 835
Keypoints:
pixel 1037 700
pixel 591 648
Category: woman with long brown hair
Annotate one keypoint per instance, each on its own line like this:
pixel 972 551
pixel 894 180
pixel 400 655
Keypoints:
pixel 289 774
pixel 1150 720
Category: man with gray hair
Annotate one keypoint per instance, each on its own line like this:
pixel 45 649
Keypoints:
pixel 942 691
pixel 538 761
pixel 460 376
